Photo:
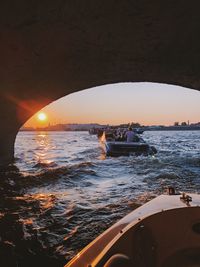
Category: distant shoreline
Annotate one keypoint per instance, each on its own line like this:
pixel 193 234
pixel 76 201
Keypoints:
pixel 145 128
pixel 172 128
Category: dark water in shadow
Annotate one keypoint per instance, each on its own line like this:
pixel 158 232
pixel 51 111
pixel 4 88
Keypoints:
pixel 62 192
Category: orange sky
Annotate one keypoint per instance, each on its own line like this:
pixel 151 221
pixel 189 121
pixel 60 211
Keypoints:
pixel 146 103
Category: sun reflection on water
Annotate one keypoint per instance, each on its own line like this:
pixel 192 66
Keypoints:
pixel 43 152
pixel 45 200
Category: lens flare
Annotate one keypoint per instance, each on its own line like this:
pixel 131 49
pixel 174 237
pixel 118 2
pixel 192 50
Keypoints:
pixel 42 116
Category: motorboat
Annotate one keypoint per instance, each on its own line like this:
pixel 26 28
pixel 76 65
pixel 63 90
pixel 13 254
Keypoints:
pixel 120 147
pixel 164 232
pixel 123 148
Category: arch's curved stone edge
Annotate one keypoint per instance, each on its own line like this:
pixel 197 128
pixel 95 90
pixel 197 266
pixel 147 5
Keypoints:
pixel 7 142
pixel 49 49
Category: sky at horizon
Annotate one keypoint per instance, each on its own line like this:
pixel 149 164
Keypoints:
pixel 146 103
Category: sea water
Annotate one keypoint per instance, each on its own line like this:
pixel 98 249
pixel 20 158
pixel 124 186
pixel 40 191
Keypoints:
pixel 62 191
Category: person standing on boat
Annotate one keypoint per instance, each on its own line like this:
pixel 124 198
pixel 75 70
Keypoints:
pixel 118 135
pixel 130 135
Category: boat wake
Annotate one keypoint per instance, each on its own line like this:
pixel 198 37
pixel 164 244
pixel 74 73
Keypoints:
pixel 58 198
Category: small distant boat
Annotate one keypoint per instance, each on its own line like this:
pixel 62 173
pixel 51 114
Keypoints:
pixel 96 131
pixel 164 232
pixel 93 131
pixel 122 148
pixel 138 131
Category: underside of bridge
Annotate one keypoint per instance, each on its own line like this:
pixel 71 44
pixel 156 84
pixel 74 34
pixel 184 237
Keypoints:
pixel 50 48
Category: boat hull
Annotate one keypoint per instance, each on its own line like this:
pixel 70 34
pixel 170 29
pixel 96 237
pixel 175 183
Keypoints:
pixel 125 149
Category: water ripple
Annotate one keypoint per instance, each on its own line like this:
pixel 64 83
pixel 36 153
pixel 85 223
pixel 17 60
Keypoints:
pixel 62 191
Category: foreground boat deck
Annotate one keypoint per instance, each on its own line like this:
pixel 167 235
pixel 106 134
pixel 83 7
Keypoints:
pixel 163 232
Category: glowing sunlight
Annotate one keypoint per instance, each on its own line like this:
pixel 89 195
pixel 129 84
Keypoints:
pixel 42 116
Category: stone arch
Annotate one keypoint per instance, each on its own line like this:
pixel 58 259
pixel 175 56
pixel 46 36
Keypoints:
pixel 49 49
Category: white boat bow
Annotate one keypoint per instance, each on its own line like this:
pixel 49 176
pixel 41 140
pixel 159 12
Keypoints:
pixel 164 232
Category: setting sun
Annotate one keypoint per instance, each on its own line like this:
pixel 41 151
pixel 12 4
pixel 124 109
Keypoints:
pixel 42 116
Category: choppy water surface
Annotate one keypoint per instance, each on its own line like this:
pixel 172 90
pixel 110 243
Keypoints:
pixel 62 191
